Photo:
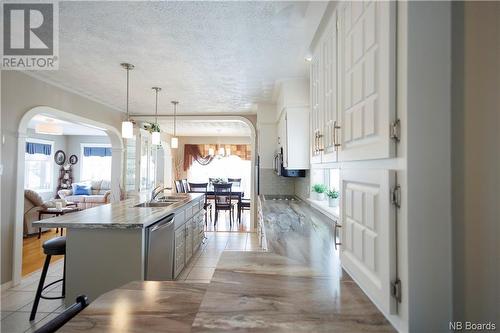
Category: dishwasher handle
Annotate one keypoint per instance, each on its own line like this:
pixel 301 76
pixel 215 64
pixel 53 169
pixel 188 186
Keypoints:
pixel 162 223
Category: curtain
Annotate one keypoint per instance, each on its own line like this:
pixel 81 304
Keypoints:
pixel 38 148
pixel 96 151
pixel 200 153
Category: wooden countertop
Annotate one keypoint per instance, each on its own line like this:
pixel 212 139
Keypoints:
pixel 118 215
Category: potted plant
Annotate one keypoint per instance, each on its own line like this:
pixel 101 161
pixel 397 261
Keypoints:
pixel 333 198
pixel 318 191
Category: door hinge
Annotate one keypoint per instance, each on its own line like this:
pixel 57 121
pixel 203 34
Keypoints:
pixel 396 196
pixel 396 290
pixel 396 130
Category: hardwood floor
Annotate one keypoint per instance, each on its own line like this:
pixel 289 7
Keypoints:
pixel 33 256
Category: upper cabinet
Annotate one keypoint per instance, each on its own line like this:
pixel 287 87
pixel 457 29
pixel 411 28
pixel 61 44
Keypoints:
pixel 352 78
pixel 293 127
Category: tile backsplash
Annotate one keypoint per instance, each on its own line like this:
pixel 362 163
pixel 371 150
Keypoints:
pixel 303 186
pixel 271 183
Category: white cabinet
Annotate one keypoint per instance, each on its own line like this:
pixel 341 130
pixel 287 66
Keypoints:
pixel 368 232
pixel 367 68
pixel 180 244
pixel 293 129
pixel 352 83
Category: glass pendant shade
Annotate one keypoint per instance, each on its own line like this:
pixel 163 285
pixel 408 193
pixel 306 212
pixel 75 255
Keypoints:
pixel 127 130
pixel 156 138
pixel 174 143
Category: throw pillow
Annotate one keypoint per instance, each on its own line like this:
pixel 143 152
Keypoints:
pixel 82 190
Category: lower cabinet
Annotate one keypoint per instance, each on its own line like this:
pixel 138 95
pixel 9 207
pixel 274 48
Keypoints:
pixel 189 236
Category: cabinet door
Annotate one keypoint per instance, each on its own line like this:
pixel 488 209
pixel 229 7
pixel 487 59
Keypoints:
pixel 329 79
pixel 189 240
pixel 179 259
pixel 368 248
pixel 314 117
pixel 367 36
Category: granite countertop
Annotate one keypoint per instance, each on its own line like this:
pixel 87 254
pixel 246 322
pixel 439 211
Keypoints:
pixel 145 306
pixel 118 215
pixel 296 230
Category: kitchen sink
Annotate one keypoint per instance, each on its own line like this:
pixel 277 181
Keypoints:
pixel 155 204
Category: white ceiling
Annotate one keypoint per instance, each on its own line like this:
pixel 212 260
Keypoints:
pixel 67 127
pixel 214 57
pixel 194 127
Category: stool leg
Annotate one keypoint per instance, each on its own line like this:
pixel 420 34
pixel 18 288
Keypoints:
pixel 64 278
pixel 40 287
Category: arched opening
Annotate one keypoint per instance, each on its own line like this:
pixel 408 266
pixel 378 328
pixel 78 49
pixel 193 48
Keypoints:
pixel 23 133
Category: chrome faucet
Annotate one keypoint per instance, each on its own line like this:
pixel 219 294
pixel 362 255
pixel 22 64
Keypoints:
pixel 156 191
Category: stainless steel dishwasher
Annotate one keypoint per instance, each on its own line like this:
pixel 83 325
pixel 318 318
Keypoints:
pixel 160 250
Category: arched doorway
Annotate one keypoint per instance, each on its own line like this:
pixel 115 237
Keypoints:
pixel 116 167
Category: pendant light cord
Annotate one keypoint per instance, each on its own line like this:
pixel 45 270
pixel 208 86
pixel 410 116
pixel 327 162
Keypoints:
pixel 175 110
pixel 128 115
pixel 156 107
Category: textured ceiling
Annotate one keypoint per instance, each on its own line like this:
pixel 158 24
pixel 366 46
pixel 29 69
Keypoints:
pixel 214 57
pixel 67 127
pixel 205 127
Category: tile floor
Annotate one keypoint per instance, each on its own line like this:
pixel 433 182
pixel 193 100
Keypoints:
pixel 16 302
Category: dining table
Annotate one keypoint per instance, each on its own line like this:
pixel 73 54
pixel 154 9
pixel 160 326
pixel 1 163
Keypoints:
pixel 236 191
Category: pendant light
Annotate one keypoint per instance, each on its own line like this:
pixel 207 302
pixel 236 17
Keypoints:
pixel 174 143
pixel 127 125
pixel 155 136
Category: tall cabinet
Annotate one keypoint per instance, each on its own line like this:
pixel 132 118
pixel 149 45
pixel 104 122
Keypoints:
pixel 353 118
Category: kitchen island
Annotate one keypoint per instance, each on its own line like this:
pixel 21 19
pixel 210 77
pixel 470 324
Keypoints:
pixel 107 246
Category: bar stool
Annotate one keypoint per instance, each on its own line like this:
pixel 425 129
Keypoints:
pixel 53 247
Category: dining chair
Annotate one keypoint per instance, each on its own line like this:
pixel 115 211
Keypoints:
pixel 179 188
pixel 236 183
pixel 65 316
pixel 244 204
pixel 202 188
pixel 185 185
pixel 223 194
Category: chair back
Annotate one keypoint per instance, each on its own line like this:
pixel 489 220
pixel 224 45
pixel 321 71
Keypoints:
pixel 198 187
pixel 179 188
pixel 223 193
pixel 64 317
pixel 185 185
pixel 235 181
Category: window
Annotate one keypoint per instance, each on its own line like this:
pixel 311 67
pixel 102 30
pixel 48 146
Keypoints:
pixel 96 162
pixel 39 175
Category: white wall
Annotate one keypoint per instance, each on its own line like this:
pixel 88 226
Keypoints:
pixel 20 93
pixel 476 161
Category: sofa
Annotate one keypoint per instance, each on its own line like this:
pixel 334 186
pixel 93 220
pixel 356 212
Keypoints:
pixel 101 192
pixel 33 203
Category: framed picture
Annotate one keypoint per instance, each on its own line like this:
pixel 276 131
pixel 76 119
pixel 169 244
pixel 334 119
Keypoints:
pixel 60 157
pixel 73 159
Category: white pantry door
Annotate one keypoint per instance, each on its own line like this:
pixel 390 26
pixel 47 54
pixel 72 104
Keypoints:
pixel 368 251
pixel 367 68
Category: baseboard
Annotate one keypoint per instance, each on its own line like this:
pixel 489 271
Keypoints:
pixel 6 285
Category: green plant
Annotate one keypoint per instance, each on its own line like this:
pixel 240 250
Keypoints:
pixel 152 127
pixel 332 194
pixel 319 188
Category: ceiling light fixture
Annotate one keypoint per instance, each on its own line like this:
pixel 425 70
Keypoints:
pixel 127 125
pixel 48 127
pixel 174 142
pixel 155 135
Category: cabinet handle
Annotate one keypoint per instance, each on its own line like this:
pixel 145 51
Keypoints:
pixel 336 128
pixel 279 140
pixel 320 145
pixel 335 228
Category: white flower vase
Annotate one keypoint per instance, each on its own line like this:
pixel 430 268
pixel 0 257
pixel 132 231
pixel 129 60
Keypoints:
pixel 333 202
pixel 318 196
